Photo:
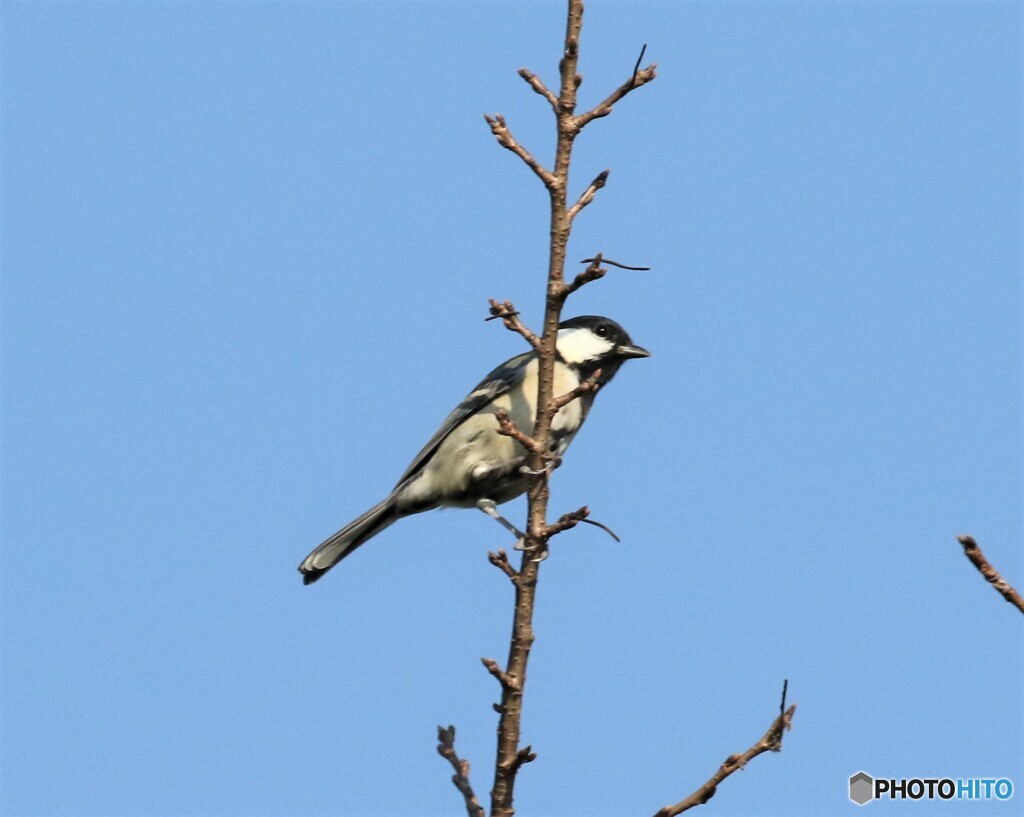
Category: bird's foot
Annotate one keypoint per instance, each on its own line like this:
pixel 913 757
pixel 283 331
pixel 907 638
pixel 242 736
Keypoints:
pixel 553 462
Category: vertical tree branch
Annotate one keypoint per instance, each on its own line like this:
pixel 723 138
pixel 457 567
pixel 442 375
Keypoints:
pixel 509 756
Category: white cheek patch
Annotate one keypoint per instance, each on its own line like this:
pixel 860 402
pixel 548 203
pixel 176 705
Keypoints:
pixel 579 344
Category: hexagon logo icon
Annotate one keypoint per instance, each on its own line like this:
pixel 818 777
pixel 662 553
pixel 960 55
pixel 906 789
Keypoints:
pixel 862 788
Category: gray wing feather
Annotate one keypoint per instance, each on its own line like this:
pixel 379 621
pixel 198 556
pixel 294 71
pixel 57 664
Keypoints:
pixel 497 383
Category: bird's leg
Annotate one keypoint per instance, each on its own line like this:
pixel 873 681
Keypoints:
pixel 489 508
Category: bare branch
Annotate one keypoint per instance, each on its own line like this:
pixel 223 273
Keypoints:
pixel 638 78
pixel 588 194
pixel 568 521
pixel 588 386
pixel 510 317
pixel 500 561
pixel 509 429
pixel 593 272
pixel 509 756
pixel 538 86
pixel 506 680
pixel 771 741
pixel 992 576
pixel 506 140
pixel 446 748
pixel 523 756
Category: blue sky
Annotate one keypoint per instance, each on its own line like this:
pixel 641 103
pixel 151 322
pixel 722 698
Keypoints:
pixel 246 255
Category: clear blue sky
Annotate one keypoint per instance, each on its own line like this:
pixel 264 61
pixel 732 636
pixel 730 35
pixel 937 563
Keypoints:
pixel 246 255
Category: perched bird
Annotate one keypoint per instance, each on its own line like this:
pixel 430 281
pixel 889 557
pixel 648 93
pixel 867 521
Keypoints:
pixel 467 463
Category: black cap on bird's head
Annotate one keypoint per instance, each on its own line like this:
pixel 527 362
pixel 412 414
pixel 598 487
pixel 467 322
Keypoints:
pixel 592 342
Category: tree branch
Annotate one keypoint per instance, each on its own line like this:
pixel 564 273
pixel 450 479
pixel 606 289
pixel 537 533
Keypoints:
pixel 446 748
pixel 500 561
pixel 507 141
pixel 534 82
pixel 992 576
pixel 771 741
pixel 510 317
pixel 588 386
pixel 503 677
pixel 506 428
pixel 635 81
pixel 510 757
pixel 568 521
pixel 589 193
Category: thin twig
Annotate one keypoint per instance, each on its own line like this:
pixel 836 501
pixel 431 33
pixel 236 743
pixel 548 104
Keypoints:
pixel 992 576
pixel 600 259
pixel 446 748
pixel 506 680
pixel 771 741
pixel 638 61
pixel 507 141
pixel 510 317
pixel 568 521
pixel 603 527
pixel 523 756
pixel 638 79
pixel 588 194
pixel 593 272
pixel 509 429
pixel 500 561
pixel 535 82
pixel 588 386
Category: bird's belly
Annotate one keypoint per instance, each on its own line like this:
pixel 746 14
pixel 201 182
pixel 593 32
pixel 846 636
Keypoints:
pixel 476 462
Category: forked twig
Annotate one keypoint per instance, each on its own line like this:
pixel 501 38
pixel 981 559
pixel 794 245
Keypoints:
pixel 446 748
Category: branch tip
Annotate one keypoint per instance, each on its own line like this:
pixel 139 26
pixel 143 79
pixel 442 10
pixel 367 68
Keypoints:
pixel 771 741
pixel 509 316
pixel 974 553
pixel 446 748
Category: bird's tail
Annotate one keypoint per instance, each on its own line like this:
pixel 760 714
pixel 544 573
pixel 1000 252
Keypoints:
pixel 333 550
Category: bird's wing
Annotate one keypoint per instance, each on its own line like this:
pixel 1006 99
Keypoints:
pixel 497 383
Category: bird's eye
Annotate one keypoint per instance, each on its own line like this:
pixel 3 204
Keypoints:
pixel 601 331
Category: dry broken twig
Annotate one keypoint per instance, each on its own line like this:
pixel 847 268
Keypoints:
pixel 992 576
pixel 771 741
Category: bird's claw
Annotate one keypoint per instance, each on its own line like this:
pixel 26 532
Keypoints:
pixel 542 554
pixel 552 463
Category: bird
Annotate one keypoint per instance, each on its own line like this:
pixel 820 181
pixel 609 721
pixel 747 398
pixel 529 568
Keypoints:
pixel 468 463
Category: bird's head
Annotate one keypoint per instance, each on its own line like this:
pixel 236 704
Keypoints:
pixel 591 342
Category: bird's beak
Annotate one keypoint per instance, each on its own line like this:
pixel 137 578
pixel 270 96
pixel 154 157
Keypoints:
pixel 626 351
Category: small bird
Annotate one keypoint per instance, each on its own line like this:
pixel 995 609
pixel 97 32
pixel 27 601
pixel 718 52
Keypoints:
pixel 467 463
